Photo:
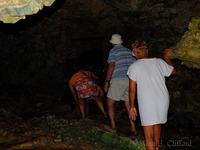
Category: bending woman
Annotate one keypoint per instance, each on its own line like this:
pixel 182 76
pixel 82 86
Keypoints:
pixel 82 87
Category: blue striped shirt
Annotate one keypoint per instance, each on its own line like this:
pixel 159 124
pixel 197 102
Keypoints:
pixel 122 56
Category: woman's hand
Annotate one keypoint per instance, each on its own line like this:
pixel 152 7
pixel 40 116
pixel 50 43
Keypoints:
pixel 166 53
pixel 133 114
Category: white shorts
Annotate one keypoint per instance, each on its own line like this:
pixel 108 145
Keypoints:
pixel 118 90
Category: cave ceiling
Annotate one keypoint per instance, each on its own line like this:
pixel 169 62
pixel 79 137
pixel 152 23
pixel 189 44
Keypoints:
pixel 12 11
pixel 162 23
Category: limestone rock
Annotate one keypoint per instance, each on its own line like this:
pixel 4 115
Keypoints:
pixel 188 48
pixel 12 11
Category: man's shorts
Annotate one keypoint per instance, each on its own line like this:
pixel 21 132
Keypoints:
pixel 118 90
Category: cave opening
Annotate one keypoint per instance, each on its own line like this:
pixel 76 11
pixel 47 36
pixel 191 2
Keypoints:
pixel 93 59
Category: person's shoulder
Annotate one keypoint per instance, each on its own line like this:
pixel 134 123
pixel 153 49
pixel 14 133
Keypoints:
pixel 123 48
pixel 127 49
pixel 138 63
pixel 159 59
pixel 133 66
pixel 113 48
pixel 135 63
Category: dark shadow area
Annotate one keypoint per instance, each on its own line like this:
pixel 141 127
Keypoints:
pixel 93 60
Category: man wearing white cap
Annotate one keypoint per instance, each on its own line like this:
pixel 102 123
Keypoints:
pixel 117 81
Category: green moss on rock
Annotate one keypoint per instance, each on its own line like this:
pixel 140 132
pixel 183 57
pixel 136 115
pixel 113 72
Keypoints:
pixel 102 139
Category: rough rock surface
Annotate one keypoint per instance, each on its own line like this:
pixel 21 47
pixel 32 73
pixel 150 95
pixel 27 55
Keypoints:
pixel 188 48
pixel 12 11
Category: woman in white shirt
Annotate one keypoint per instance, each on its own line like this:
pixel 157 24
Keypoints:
pixel 148 74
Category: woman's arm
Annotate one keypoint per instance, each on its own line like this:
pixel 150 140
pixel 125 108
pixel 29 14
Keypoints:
pixel 168 61
pixel 132 93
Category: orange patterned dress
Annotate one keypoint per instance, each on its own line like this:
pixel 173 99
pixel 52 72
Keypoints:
pixel 85 86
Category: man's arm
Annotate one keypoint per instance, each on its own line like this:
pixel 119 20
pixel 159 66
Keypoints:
pixel 109 73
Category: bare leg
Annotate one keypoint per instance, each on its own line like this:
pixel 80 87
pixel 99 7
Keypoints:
pixel 110 106
pixel 133 129
pixel 152 136
pixel 81 104
pixel 99 104
pixel 149 139
pixel 156 134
